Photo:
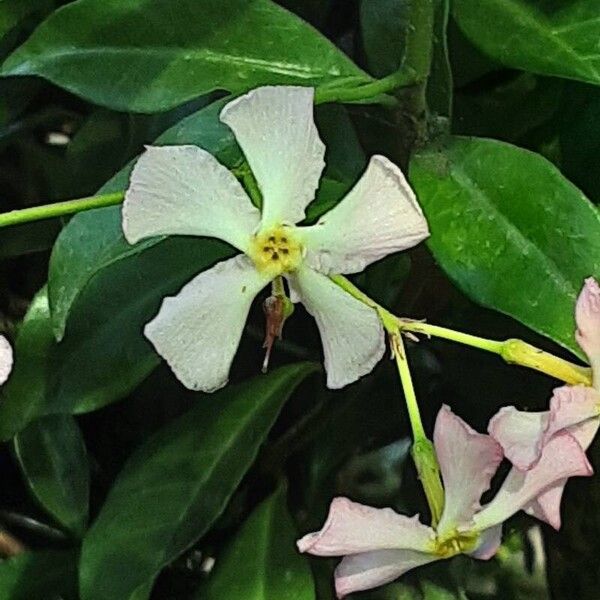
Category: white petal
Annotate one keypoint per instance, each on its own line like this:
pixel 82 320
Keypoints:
pixel 379 216
pixel 198 331
pixel 6 359
pixel 351 333
pixel 183 190
pixel 371 569
pixel 352 528
pixel 275 128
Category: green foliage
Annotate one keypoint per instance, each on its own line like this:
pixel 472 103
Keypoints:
pixel 173 488
pixel 172 479
pixel 39 575
pixel 165 53
pixel 261 563
pixel 505 226
pixel 549 37
pixel 52 455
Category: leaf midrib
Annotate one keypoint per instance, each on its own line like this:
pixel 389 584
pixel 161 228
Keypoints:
pixel 203 55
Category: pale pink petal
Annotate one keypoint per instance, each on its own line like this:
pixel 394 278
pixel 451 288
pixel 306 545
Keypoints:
pixel 570 406
pixel 351 332
pixel 488 544
pixel 275 128
pixel 585 432
pixel 379 216
pixel 468 461
pixel 521 434
pixel 352 528
pixel 6 359
pixel 198 331
pixel 184 190
pixel 561 458
pixel 368 570
pixel 587 315
pixel 546 507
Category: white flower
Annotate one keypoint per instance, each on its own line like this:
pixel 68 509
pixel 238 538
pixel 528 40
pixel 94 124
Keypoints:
pixel 6 359
pixel 183 190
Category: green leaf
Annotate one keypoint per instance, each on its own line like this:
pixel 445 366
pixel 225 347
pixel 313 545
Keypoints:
pixel 510 230
pixel 173 488
pixel 262 562
pixel 542 36
pixel 105 355
pixel 39 575
pixel 169 51
pixel 384 24
pixel 93 242
pixel 53 457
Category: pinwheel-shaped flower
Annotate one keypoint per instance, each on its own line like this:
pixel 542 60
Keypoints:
pixel 575 409
pixel 183 190
pixel 6 359
pixel 379 545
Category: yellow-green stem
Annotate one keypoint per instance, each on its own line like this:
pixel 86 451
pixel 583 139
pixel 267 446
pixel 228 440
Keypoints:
pixel 59 209
pixel 513 351
pixel 423 451
pixel 410 397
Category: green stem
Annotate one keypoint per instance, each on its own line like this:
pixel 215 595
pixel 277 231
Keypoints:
pixel 513 351
pixel 403 77
pixel 452 335
pixel 414 414
pixel 423 451
pixel 419 39
pixel 59 209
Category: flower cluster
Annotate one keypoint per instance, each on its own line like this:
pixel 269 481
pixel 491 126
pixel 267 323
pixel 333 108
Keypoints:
pixel 379 545
pixel 6 359
pixel 183 190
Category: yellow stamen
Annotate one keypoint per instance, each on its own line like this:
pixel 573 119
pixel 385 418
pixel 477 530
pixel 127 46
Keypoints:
pixel 276 251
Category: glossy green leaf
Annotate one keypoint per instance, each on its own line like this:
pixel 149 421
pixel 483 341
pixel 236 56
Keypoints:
pixel 262 562
pixel 549 37
pixel 53 457
pixel 39 575
pixel 169 51
pixel 510 230
pixel 105 355
pixel 93 242
pixel 173 488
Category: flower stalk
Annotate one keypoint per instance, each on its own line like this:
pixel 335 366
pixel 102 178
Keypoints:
pixel 59 209
pixel 513 351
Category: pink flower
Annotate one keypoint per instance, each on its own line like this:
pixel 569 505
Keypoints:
pixel 576 410
pixel 379 545
pixel 6 359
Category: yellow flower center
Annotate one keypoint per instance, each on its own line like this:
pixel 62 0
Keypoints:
pixel 455 542
pixel 276 251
